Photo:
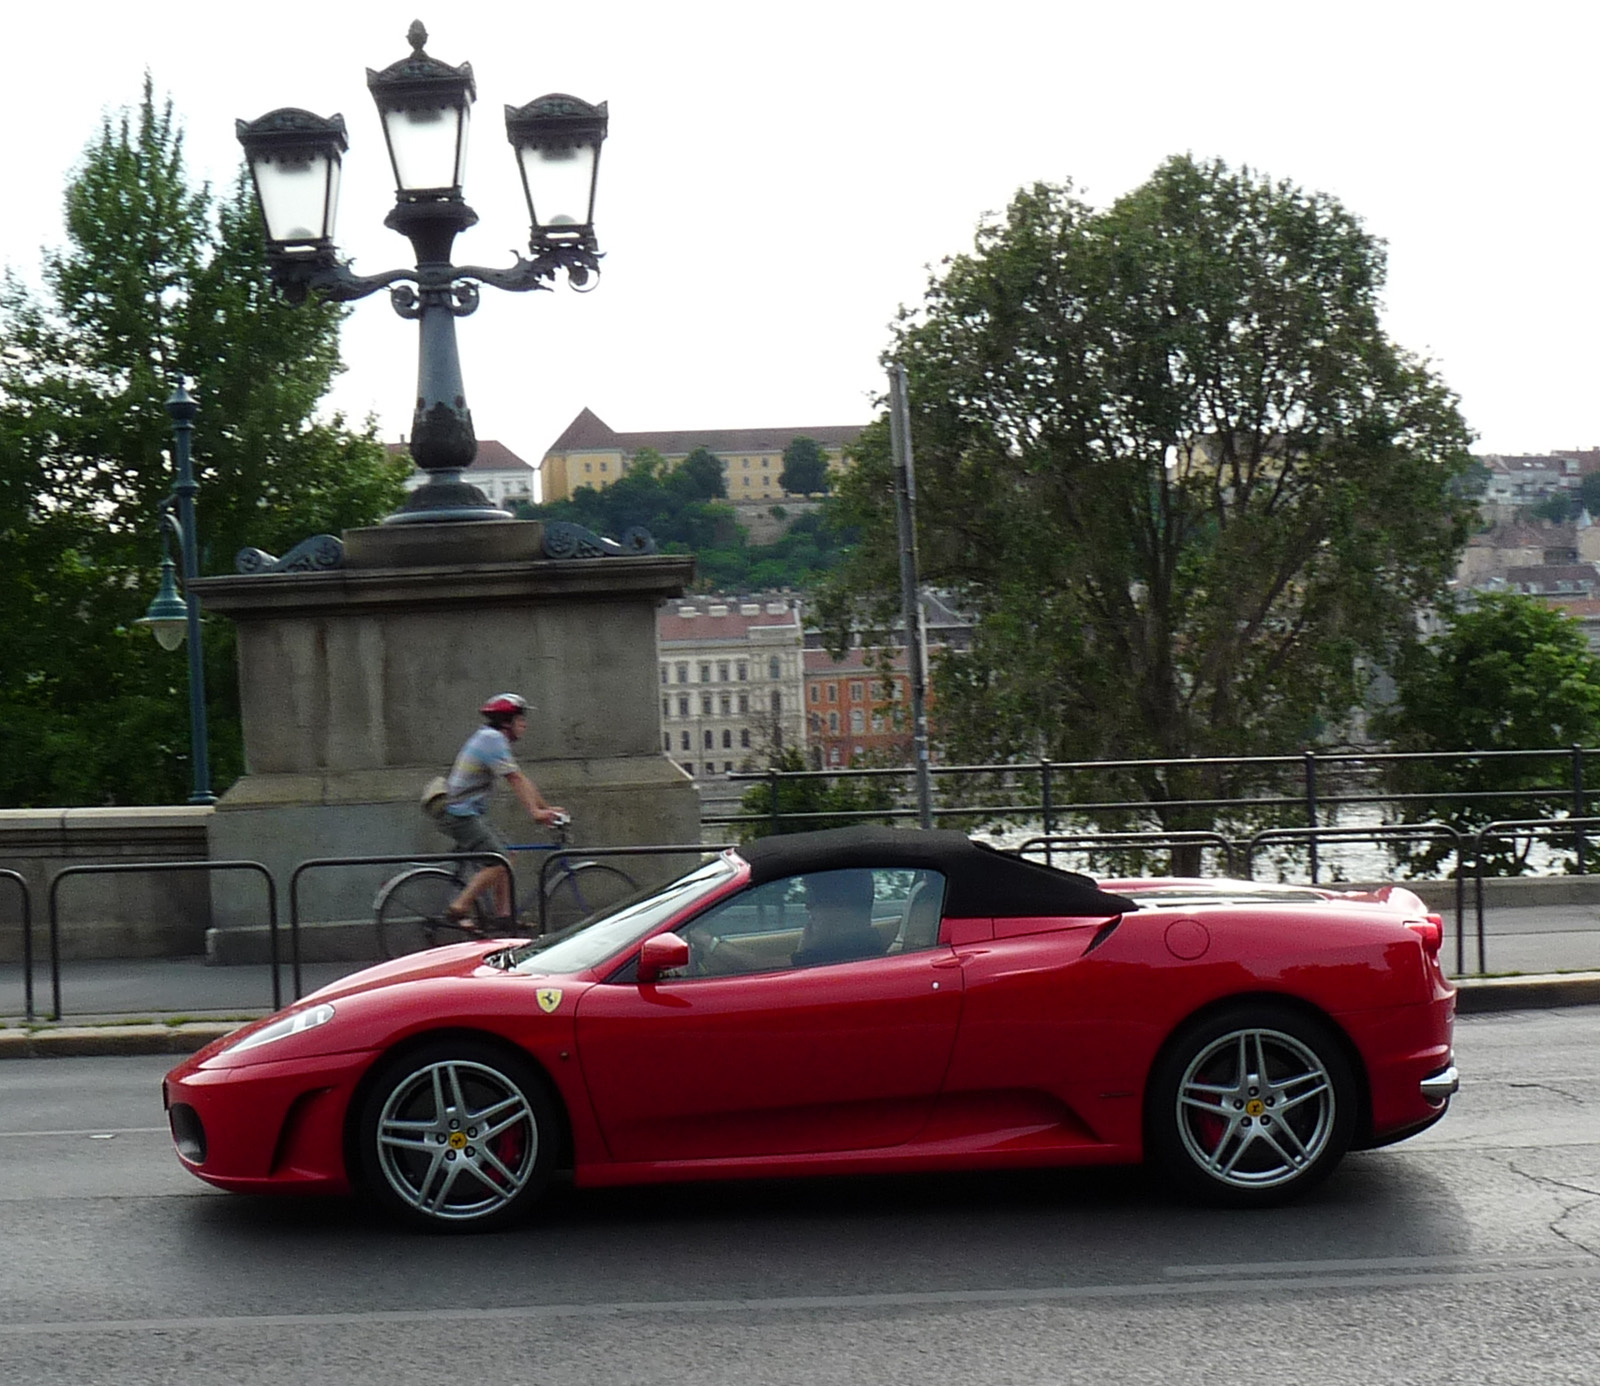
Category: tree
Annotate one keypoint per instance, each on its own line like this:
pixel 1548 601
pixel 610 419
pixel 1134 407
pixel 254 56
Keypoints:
pixel 811 803
pixel 157 279
pixel 1167 455
pixel 1558 507
pixel 805 468
pixel 699 477
pixel 1508 674
pixel 1589 493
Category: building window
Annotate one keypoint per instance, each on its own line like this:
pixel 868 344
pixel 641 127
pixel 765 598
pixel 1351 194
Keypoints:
pixel 705 705
pixel 744 703
pixel 855 691
pixel 774 669
pixel 744 737
pixel 727 767
pixel 688 767
pixel 711 743
pixel 833 692
pixel 683 671
pixel 686 741
pixel 727 740
pixel 777 703
pixel 877 721
pixel 666 707
pixel 705 673
pixel 663 673
pixel 666 741
pixel 833 723
pixel 683 704
pixel 722 671
pixel 725 702
pixel 816 692
pixel 858 721
pixel 744 671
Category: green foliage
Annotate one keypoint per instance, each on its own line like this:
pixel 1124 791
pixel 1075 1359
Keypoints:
pixel 805 468
pixel 811 802
pixel 1558 507
pixel 1167 455
pixel 1589 493
pixel 654 496
pixel 1511 674
pixel 699 477
pixel 157 280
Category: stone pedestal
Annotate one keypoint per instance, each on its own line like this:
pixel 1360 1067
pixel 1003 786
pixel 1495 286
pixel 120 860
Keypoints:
pixel 360 683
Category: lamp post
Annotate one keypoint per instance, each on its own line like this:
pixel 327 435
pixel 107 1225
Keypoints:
pixel 425 106
pixel 170 617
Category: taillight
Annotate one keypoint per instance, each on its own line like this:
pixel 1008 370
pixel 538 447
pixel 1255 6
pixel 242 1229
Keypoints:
pixel 1429 930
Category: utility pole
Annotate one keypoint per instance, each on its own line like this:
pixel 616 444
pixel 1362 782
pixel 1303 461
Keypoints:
pixel 905 504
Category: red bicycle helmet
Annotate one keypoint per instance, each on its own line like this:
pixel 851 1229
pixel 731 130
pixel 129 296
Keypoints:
pixel 504 705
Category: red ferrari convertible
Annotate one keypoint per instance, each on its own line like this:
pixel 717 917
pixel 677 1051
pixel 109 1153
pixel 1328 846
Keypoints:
pixel 845 1002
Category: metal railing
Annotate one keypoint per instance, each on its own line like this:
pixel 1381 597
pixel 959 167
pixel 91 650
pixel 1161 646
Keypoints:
pixel 1090 843
pixel 1312 785
pixel 16 878
pixel 143 867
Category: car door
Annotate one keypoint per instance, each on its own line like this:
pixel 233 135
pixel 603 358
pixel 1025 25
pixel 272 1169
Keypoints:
pixel 781 1060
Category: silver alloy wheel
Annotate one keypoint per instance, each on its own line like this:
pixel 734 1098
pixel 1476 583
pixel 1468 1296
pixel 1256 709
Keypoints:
pixel 457 1140
pixel 1256 1108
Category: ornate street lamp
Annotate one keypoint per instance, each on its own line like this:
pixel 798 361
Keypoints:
pixel 170 618
pixel 425 106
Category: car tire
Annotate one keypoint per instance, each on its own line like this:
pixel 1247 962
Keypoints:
pixel 1250 1106
pixel 458 1135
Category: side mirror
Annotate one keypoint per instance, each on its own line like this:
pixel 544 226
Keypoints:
pixel 661 954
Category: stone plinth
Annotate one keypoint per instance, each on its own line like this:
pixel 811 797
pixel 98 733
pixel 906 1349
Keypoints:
pixel 358 684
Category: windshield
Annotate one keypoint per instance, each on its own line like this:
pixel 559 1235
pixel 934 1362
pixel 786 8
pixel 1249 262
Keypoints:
pixel 589 943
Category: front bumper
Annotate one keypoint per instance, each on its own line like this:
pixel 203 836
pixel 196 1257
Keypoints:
pixel 1440 1087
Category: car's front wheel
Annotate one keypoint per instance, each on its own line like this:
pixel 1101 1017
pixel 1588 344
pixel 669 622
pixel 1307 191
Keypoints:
pixel 457 1135
pixel 1251 1106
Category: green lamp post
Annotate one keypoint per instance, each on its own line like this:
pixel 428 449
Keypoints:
pixel 170 618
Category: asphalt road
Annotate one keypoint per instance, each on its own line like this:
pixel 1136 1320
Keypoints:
pixel 1469 1254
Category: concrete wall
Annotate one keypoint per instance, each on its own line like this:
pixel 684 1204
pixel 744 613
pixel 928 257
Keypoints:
pixel 121 915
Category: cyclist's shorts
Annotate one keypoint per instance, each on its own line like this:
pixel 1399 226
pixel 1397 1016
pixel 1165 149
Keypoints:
pixel 473 833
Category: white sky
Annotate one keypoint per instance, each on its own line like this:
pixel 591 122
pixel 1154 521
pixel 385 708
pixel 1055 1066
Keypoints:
pixel 777 178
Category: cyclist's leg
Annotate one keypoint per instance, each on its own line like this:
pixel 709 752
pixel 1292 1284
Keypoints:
pixel 475 833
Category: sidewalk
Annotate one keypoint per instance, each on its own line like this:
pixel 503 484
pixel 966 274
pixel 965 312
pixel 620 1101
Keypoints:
pixel 1540 957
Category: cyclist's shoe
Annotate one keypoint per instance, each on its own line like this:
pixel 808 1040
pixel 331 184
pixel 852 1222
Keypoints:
pixel 491 926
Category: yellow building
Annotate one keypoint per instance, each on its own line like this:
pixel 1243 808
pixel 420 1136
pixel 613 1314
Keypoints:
pixel 589 453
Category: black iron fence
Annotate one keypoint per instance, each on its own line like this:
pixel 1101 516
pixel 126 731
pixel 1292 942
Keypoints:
pixel 1313 788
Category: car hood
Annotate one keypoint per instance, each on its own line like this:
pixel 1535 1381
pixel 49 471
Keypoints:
pixel 456 960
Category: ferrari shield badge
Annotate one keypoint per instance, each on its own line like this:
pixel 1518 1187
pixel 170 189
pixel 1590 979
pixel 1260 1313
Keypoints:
pixel 549 998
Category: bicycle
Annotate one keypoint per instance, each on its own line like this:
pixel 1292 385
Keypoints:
pixel 410 908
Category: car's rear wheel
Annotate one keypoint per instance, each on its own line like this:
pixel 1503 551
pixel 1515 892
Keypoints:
pixel 1251 1106
pixel 458 1135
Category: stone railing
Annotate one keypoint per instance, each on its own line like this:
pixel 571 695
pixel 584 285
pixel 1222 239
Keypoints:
pixel 132 915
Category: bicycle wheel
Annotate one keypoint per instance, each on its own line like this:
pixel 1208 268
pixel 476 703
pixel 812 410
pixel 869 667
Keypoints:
pixel 411 911
pixel 584 888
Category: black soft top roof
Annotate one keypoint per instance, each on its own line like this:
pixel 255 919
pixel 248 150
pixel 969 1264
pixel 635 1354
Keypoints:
pixel 982 881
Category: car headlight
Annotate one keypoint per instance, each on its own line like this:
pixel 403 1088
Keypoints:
pixel 294 1024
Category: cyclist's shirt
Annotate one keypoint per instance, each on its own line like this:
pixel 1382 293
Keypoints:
pixel 486 755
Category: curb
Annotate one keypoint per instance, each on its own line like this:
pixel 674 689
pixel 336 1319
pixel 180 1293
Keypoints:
pixel 99 1041
pixel 1481 995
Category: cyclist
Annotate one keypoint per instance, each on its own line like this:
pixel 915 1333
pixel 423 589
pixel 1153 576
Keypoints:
pixel 485 757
